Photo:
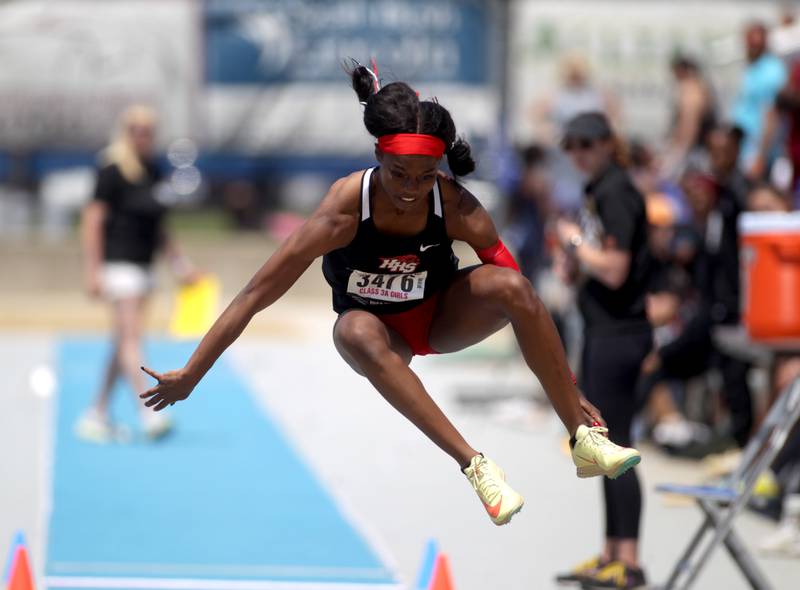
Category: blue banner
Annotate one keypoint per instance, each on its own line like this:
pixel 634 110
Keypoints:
pixel 264 42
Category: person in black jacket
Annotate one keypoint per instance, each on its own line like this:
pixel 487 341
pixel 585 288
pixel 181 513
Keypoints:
pixel 608 255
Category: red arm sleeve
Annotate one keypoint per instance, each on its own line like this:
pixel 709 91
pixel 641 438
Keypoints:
pixel 497 255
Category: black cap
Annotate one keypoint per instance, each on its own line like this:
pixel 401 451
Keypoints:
pixel 587 126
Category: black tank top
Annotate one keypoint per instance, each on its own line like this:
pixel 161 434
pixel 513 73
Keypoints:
pixel 390 274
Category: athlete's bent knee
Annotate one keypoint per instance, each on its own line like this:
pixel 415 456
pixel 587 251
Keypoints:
pixel 359 335
pixel 511 290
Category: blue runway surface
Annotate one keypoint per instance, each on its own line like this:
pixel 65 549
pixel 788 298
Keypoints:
pixel 224 502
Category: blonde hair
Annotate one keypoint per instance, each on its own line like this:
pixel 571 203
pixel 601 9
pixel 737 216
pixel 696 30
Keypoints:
pixel 121 151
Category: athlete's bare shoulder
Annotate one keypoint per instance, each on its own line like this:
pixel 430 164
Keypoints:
pixel 456 199
pixel 464 215
pixel 344 196
pixel 338 212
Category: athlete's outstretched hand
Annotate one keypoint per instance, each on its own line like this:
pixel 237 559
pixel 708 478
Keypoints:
pixel 172 386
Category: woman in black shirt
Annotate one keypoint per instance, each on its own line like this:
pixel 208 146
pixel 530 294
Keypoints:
pixel 609 255
pixel 122 231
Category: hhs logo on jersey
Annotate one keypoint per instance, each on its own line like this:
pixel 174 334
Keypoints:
pixel 407 263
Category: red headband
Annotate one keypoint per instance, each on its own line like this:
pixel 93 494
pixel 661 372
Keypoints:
pixel 411 144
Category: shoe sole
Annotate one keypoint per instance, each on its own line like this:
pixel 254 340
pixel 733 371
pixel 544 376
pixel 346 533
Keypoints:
pixel 595 471
pixel 510 515
pixel 626 465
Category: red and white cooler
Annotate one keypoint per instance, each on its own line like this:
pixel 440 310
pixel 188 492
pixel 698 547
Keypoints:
pixel 770 261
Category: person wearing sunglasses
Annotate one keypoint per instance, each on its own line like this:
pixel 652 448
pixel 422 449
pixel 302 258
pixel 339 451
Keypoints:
pixel 606 255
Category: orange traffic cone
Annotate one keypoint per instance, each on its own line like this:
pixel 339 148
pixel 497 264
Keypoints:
pixel 442 578
pixel 19 572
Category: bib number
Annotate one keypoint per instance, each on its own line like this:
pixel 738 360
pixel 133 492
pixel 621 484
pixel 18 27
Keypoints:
pixel 387 287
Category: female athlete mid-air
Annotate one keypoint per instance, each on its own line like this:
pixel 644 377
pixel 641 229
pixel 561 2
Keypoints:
pixel 385 235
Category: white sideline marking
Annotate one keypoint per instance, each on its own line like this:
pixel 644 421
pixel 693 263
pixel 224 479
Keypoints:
pixel 201 584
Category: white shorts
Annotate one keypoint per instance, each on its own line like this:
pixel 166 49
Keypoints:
pixel 124 280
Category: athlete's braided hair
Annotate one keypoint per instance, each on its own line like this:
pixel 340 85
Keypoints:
pixel 396 108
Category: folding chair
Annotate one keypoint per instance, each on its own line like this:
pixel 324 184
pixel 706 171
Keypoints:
pixel 721 504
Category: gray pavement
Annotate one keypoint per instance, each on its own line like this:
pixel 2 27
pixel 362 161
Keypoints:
pixel 24 441
pixel 407 490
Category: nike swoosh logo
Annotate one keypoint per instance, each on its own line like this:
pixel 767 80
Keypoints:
pixel 422 248
pixel 493 510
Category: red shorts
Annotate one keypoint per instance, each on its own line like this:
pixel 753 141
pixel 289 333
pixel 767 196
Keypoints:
pixel 414 325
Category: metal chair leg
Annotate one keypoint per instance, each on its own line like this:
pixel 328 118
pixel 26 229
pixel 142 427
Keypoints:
pixel 685 559
pixel 739 553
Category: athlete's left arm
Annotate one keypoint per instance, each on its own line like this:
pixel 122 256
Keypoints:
pixel 469 222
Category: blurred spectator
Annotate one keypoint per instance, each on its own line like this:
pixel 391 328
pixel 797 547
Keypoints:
pixel 784 474
pixel 715 280
pixel 122 231
pixel 694 114
pixel 788 104
pixel 786 110
pixel 716 215
pixel 763 78
pixel 785 38
pixel 724 144
pixel 241 200
pixel 786 471
pixel 529 209
pixel 671 304
pixel 644 171
pixel 577 93
pixel 765 197
pixel 528 230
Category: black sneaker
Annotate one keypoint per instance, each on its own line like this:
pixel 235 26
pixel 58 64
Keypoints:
pixel 617 575
pixel 582 572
